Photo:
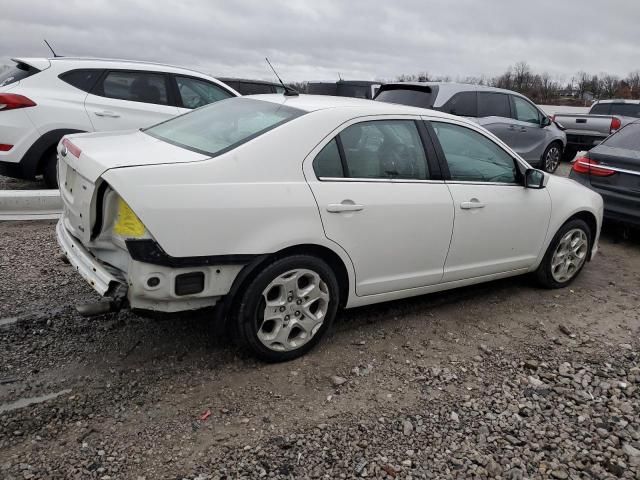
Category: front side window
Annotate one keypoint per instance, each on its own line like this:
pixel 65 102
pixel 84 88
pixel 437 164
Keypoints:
pixel 493 105
pixel 222 126
pixel 196 93
pixel 463 104
pixel 472 157
pixel 524 111
pixel 135 86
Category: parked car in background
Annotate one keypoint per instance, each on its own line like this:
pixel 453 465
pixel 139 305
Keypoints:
pixel 252 87
pixel 43 99
pixel 345 88
pixel 510 116
pixel 281 209
pixel 585 131
pixel 612 169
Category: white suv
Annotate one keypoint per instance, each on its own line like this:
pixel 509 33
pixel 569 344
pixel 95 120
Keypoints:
pixel 41 100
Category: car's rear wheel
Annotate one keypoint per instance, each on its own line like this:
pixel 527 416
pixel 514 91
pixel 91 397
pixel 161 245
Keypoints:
pixel 569 154
pixel 566 255
pixel 49 171
pixel 551 157
pixel 287 308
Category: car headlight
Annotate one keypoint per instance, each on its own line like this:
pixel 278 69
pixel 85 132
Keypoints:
pixel 127 223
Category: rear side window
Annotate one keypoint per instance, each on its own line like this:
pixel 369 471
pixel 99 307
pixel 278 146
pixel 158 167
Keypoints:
pixel 196 93
pixel 16 73
pixel 627 138
pixel 493 105
pixel 222 126
pixel 327 163
pixel 82 79
pixel 463 104
pixel 135 86
pixel 626 109
pixel 411 97
pixel 600 109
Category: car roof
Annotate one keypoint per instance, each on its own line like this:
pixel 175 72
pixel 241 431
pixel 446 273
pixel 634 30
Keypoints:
pixel 453 86
pixel 249 80
pixel 88 62
pixel 310 103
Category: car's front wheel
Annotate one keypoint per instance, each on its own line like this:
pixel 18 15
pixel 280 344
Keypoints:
pixel 551 158
pixel 566 255
pixel 287 308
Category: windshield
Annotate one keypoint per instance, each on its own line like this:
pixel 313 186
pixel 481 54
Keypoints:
pixel 408 96
pixel 224 125
pixel 16 73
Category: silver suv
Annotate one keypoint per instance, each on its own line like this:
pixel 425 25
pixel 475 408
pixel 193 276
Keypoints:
pixel 510 116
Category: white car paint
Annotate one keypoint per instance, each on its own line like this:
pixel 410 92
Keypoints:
pixel 410 237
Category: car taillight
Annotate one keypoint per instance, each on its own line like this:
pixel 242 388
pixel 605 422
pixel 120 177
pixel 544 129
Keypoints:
pixel 587 166
pixel 615 124
pixel 5 147
pixel 12 101
pixel 71 148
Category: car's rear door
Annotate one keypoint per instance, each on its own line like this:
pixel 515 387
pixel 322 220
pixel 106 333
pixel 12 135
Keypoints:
pixel 500 226
pixel 128 99
pixel 494 114
pixel 381 197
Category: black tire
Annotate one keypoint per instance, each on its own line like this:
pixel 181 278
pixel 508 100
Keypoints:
pixel 569 154
pixel 49 170
pixel 551 157
pixel 544 273
pixel 248 311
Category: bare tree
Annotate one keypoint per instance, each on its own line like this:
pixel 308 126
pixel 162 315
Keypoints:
pixel 610 84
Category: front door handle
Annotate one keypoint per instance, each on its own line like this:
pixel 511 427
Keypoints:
pixel 473 203
pixel 523 129
pixel 344 207
pixel 106 113
pixel 512 127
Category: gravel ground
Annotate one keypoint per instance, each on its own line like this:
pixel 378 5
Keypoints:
pixel 7 183
pixel 501 380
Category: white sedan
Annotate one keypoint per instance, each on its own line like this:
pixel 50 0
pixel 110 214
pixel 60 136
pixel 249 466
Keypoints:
pixel 282 209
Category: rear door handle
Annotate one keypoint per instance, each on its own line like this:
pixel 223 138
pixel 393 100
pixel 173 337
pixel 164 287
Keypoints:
pixel 344 207
pixel 106 113
pixel 473 203
pixel 512 127
pixel 523 129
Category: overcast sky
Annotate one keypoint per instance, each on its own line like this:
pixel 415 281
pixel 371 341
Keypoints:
pixel 314 40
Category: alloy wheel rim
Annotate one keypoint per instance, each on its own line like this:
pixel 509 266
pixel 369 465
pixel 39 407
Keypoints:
pixel 570 255
pixel 294 306
pixel 552 159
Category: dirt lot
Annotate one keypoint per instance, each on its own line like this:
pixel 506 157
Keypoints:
pixel 502 380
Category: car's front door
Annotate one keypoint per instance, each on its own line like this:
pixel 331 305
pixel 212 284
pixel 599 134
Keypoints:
pixel 381 198
pixel 125 99
pixel 530 139
pixel 500 225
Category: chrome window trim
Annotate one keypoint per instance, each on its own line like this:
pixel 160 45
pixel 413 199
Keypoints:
pixel 472 182
pixel 376 180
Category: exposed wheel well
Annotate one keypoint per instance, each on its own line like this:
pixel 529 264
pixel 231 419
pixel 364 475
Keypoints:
pixel 590 219
pixel 247 274
pixel 42 162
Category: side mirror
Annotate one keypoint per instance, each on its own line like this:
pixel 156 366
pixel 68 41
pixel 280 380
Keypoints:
pixel 546 121
pixel 534 178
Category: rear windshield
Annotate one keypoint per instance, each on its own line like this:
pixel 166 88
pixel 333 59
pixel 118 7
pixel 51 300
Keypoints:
pixel 407 96
pixel 626 109
pixel 16 73
pixel 600 109
pixel 627 138
pixel 224 125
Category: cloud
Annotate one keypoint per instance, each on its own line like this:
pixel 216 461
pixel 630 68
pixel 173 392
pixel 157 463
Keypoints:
pixel 315 40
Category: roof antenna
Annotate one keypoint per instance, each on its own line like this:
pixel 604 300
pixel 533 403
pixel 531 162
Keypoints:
pixel 288 91
pixel 55 55
pixel 339 76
